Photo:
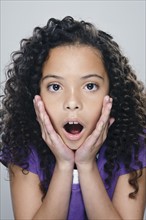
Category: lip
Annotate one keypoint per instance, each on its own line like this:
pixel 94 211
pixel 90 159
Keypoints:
pixel 73 137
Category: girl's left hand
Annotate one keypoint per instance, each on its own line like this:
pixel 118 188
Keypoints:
pixel 86 154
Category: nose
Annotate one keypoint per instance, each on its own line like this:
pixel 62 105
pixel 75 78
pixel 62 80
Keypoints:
pixel 73 102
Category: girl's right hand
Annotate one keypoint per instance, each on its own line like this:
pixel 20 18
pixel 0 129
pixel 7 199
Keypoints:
pixel 64 156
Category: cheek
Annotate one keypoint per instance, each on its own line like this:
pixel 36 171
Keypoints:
pixel 52 113
pixel 95 113
pixel 49 107
pixel 94 116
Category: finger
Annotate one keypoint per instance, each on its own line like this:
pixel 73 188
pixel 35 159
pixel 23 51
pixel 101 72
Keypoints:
pixel 91 141
pixel 50 130
pixel 111 121
pixel 40 112
pixel 48 127
pixel 104 132
pixel 44 118
pixel 35 108
pixel 98 136
pixel 37 98
pixel 46 136
pixel 108 125
pixel 101 127
pixel 104 118
pixel 37 113
pixel 40 109
pixel 106 100
pixel 101 130
pixel 36 101
pixel 56 143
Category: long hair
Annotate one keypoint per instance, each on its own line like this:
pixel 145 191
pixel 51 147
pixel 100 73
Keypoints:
pixel 20 127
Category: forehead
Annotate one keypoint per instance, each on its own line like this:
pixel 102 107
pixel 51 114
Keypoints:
pixel 72 58
pixel 77 49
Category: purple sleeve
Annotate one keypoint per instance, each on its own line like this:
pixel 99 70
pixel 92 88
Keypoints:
pixel 141 157
pixel 122 170
pixel 32 160
pixel 34 164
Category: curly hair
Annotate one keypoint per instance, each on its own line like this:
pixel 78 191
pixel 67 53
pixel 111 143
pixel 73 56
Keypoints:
pixel 20 127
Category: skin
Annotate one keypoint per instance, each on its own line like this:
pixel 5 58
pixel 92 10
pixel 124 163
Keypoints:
pixel 81 87
pixel 91 107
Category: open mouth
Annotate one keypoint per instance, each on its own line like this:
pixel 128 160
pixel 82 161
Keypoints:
pixel 73 127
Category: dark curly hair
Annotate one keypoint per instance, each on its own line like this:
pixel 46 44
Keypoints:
pixel 20 129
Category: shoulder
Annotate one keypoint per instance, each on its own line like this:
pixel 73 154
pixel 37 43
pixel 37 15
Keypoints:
pixel 137 161
pixel 138 158
pixel 31 163
pixel 120 170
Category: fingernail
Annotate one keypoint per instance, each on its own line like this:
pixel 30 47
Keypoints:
pixel 39 104
pixel 111 100
pixel 107 98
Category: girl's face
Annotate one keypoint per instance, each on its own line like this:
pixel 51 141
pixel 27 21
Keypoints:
pixel 73 85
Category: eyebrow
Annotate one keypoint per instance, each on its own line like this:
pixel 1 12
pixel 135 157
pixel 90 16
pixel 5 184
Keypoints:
pixel 92 75
pixel 52 76
pixel 83 77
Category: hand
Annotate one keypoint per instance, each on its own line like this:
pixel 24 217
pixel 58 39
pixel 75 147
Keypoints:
pixel 63 155
pixel 86 154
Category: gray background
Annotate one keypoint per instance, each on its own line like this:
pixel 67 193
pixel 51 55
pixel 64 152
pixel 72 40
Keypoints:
pixel 125 20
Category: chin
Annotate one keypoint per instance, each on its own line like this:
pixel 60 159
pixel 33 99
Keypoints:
pixel 73 147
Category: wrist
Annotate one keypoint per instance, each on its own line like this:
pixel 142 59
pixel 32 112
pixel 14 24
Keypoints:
pixel 65 166
pixel 87 166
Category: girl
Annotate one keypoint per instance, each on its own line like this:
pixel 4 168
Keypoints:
pixel 74 126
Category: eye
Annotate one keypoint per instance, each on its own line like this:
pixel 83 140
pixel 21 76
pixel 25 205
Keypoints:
pixel 91 86
pixel 54 87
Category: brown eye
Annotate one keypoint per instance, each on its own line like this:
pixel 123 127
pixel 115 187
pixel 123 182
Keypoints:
pixel 54 87
pixel 91 87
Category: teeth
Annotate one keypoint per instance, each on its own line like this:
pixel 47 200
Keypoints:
pixel 72 122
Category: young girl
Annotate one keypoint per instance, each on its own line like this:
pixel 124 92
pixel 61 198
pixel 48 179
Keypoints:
pixel 74 127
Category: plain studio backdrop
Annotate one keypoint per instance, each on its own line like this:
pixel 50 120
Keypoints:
pixel 125 20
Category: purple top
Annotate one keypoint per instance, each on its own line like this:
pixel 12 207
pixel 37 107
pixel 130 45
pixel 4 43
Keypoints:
pixel 76 207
